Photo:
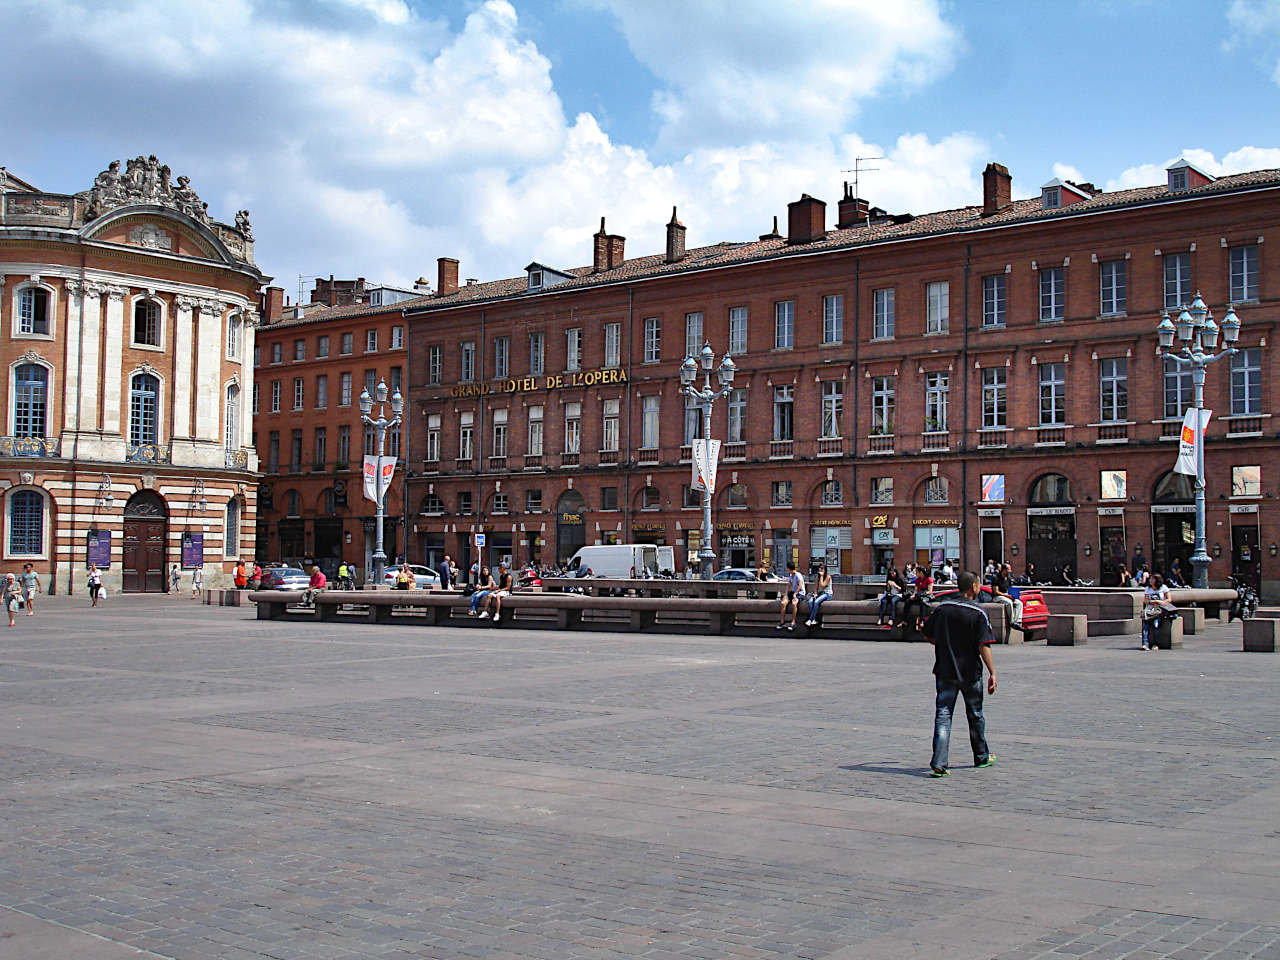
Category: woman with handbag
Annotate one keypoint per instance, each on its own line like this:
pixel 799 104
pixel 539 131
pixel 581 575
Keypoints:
pixel 822 593
pixel 1155 607
pixel 10 596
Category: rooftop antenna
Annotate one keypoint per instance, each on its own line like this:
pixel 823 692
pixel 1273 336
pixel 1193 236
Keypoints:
pixel 302 282
pixel 858 169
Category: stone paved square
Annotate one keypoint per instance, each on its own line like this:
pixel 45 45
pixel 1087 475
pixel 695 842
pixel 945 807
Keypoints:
pixel 183 781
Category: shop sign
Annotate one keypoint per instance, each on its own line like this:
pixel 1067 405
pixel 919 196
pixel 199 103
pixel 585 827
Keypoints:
pixel 1173 508
pixel 939 523
pixel 881 536
pixel 1111 511
pixel 734 525
pixel 737 540
pixel 829 523
pixel 99 549
pixel 649 527
pixel 555 381
pixel 880 520
pixel 1244 508
pixel 989 513
pixel 1051 511
pixel 570 519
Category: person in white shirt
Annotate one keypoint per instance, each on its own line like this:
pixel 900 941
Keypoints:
pixel 795 591
pixel 1155 607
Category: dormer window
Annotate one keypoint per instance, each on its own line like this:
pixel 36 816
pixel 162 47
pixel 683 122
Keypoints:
pixel 535 279
pixel 541 276
pixel 1061 193
pixel 1051 198
pixel 1178 179
pixel 1184 175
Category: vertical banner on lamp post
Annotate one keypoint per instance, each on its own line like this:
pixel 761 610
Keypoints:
pixel 1190 439
pixel 706 454
pixel 371 469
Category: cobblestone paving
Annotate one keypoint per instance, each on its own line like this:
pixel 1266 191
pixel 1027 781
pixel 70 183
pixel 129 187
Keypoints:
pixel 190 782
pixel 1144 935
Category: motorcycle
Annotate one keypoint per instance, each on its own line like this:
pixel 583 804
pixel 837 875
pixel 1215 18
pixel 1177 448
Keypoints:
pixel 1246 602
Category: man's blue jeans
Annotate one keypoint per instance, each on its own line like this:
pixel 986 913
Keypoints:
pixel 947 692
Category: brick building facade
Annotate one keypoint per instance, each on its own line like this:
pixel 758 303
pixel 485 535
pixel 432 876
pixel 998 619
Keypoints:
pixel 312 362
pixel 128 315
pixel 974 383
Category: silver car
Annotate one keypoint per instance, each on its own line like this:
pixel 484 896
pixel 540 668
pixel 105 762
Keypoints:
pixel 285 578
pixel 423 577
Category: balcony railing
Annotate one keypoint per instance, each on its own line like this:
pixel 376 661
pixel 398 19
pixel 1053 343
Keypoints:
pixel 608 457
pixel 317 467
pixel 147 453
pixel 428 466
pixel 498 462
pixel 1113 433
pixel 1051 436
pixel 29 446
pixel 781 449
pixel 1244 427
pixel 686 453
pixel 935 440
pixel 568 459
pixel 830 446
pixel 533 461
pixel 1170 429
pixel 992 438
pixel 734 451
pixel 647 455
pixel 882 443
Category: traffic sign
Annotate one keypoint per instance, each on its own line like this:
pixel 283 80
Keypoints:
pixel 479 539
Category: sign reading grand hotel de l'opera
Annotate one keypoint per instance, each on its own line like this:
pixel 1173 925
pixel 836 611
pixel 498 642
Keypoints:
pixel 554 381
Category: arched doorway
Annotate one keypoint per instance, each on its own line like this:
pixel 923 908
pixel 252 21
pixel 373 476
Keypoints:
pixel 1051 528
pixel 146 521
pixel 571 525
pixel 1173 524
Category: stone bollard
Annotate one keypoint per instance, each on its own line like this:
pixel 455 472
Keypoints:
pixel 1261 636
pixel 1068 629
pixel 1169 636
pixel 1192 620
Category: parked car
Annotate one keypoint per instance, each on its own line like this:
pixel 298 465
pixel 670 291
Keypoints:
pixel 1035 612
pixel 424 578
pixel 284 578
pixel 735 573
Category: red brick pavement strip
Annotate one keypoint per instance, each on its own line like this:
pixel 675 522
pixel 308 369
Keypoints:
pixel 188 781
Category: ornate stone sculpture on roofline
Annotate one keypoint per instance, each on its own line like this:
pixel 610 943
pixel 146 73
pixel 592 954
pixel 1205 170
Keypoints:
pixel 146 180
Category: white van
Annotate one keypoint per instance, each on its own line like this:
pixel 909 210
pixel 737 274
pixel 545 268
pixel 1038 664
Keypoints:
pixel 666 561
pixel 621 561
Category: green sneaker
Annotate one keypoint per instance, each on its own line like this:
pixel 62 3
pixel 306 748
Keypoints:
pixel 987 762
pixel 935 772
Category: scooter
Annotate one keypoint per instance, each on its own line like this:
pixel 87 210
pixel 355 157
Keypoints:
pixel 1246 602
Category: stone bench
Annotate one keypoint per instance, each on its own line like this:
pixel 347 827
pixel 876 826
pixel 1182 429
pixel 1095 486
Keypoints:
pixel 1067 629
pixel 1261 636
pixel 1211 599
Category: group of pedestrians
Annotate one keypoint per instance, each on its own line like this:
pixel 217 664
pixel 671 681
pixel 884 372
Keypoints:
pixel 790 604
pixel 19 592
pixel 486 599
pixel 912 589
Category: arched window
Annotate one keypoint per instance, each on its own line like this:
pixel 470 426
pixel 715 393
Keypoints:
pixel 650 498
pixel 737 495
pixel 33 311
pixel 146 323
pixel 26 523
pixel 832 493
pixel 234 324
pixel 231 532
pixel 144 402
pixel 292 504
pixel 231 425
pixel 30 400
pixel 432 503
pixel 1174 488
pixel 1051 488
pixel 328 502
pixel 936 490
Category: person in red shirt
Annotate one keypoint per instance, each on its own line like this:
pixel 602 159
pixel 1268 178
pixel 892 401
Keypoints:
pixel 318 582
pixel 241 581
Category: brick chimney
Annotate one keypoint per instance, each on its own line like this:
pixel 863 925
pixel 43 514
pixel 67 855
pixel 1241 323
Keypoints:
pixel 997 189
pixel 806 220
pixel 675 239
pixel 853 211
pixel 600 249
pixel 272 304
pixel 617 246
pixel 447 276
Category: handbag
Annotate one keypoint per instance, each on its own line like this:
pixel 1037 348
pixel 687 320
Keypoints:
pixel 1152 612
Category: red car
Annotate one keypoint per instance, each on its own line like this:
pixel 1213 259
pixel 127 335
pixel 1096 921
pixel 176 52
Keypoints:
pixel 1035 612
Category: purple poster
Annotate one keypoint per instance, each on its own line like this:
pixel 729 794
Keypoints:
pixel 99 551
pixel 193 549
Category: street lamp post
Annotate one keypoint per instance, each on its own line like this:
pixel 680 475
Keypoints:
pixel 1197 333
pixel 705 397
pixel 381 424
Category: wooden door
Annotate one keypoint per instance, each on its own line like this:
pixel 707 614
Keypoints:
pixel 144 556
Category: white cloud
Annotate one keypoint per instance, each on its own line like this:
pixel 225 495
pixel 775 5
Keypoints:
pixel 759 70
pixel 1256 23
pixel 1064 171
pixel 1237 161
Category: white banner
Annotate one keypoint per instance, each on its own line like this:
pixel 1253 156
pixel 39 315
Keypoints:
pixel 1189 439
pixel 706 456
pixel 371 474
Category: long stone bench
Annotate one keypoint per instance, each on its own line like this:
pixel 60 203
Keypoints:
pixel 850 619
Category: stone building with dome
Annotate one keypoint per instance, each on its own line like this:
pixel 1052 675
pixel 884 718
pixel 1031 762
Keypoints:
pixel 128 318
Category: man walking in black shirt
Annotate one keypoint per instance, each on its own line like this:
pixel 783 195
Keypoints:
pixel 961 636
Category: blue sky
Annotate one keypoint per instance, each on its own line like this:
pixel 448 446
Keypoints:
pixel 370 137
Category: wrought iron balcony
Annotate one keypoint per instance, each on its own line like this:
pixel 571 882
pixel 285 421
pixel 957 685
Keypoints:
pixel 147 453
pixel 29 446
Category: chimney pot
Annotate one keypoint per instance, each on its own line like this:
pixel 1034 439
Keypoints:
pixel 446 276
pixel 997 189
pixel 600 250
pixel 852 211
pixel 806 220
pixel 675 239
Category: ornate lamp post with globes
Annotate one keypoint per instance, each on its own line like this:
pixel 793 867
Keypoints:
pixel 1197 333
pixel 381 424
pixel 705 397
